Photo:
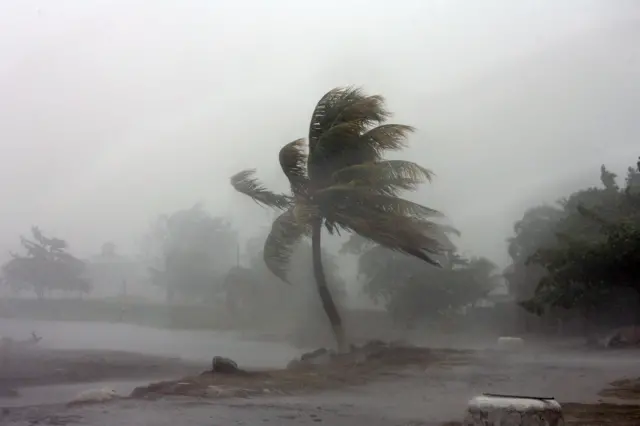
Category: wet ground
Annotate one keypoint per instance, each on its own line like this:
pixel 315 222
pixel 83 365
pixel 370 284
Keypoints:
pixel 430 395
pixel 191 345
pixel 76 356
pixel 420 397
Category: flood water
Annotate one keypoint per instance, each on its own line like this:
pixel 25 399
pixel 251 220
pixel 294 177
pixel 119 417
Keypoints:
pixel 191 345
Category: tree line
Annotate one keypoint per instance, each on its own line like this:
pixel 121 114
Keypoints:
pixel 580 258
pixel 574 255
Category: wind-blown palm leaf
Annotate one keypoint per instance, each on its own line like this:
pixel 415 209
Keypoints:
pixel 362 110
pixel 345 105
pixel 388 137
pixel 322 116
pixel 397 233
pixel 337 148
pixel 362 200
pixel 340 119
pixel 388 177
pixel 293 160
pixel 245 183
pixel 286 231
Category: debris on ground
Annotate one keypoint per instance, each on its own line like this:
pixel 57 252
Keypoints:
pixel 317 370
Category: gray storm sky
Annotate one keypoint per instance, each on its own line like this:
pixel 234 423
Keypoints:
pixel 114 111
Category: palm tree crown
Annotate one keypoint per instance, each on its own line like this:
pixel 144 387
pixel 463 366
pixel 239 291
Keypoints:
pixel 342 181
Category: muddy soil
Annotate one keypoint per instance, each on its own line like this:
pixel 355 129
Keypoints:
pixel 358 367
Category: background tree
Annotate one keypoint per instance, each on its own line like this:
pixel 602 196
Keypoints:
pixel 593 267
pixel 47 266
pixel 192 252
pixel 412 290
pixel 108 250
pixel 536 229
pixel 340 181
pixel 257 296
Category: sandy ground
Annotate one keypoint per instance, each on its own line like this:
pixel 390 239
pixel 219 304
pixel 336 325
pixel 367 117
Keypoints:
pixel 426 396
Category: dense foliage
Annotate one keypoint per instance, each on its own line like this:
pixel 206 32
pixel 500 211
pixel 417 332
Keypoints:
pixel 412 290
pixel 586 252
pixel 47 266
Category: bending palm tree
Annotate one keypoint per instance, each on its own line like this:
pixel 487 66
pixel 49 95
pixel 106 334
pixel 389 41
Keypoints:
pixel 342 182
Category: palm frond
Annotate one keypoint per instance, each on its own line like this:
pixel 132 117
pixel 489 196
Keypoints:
pixel 336 148
pixel 363 200
pixel 245 183
pixel 345 105
pixel 387 177
pixel 293 160
pixel 387 137
pixel 321 118
pixel 359 109
pixel 397 233
pixel 286 231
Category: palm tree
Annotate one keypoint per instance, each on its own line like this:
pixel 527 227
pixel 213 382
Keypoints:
pixel 341 181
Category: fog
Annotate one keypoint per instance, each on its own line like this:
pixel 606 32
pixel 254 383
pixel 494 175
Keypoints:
pixel 113 112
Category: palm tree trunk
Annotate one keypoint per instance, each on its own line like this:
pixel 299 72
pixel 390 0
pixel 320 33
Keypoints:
pixel 328 304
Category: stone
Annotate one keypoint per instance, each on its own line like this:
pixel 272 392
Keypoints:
pixel 95 395
pixel 513 410
pixel 320 356
pixel 222 365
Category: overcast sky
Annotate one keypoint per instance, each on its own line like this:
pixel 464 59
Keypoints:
pixel 114 111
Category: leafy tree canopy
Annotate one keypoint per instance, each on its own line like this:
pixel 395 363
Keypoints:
pixel 411 289
pixel 193 251
pixel 46 266
pixel 596 253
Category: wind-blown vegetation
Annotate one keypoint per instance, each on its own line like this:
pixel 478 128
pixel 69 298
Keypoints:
pixel 412 290
pixel 191 252
pixel 341 181
pixel 581 257
pixel 46 267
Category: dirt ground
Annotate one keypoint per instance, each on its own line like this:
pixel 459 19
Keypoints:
pixel 360 366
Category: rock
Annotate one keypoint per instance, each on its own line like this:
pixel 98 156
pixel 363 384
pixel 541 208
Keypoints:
pixel 320 356
pixel 94 395
pixel 224 365
pixel 510 343
pixel 314 354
